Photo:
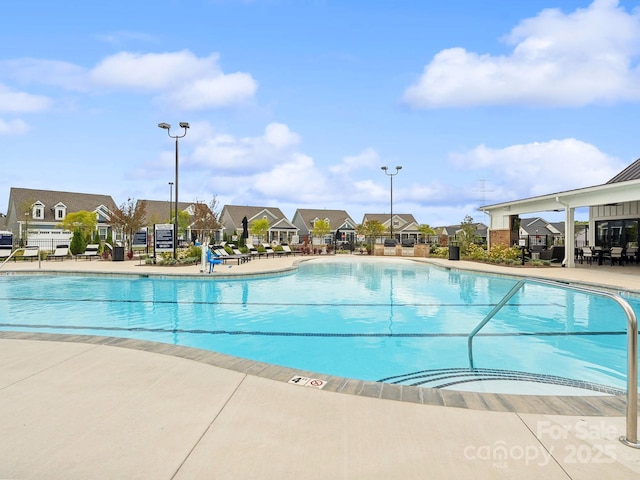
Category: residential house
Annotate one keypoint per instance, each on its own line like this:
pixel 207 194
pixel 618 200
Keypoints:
pixel 405 226
pixel 447 234
pixel 33 215
pixel 280 230
pixel 539 234
pixel 342 225
pixel 160 212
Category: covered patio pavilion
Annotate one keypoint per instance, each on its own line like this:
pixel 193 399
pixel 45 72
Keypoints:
pixel 617 199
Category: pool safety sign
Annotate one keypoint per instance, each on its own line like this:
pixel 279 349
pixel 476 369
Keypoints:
pixel 308 382
pixel 163 238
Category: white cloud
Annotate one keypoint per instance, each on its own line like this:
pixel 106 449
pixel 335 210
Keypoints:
pixel 180 79
pixel 13 127
pixel 366 159
pixel 153 71
pixel 520 171
pixel 557 59
pixel 189 82
pixel 46 72
pixel 296 180
pixel 279 135
pixel 12 101
pixel 226 153
pixel 121 37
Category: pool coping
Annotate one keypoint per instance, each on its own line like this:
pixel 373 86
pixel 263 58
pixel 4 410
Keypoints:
pixel 607 405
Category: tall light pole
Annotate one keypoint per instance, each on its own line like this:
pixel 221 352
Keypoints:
pixel 170 198
pixel 167 127
pixel 391 175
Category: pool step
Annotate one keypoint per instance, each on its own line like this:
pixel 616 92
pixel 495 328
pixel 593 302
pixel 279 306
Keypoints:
pixel 448 377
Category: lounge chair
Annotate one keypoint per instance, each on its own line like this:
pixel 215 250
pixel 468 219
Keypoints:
pixel 287 250
pixel 212 259
pixel 268 249
pixel 5 251
pixel 632 254
pixel 254 252
pixel 236 251
pixel 90 252
pixel 30 253
pixel 587 255
pixel 60 252
pixel 224 255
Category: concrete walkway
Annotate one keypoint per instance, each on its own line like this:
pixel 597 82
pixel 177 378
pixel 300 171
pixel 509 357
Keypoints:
pixel 85 408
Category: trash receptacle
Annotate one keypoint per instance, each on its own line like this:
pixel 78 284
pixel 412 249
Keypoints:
pixel 454 252
pixel 118 254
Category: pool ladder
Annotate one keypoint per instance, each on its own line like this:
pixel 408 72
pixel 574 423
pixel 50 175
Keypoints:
pixel 631 437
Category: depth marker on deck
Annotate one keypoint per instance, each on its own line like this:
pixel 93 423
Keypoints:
pixel 308 382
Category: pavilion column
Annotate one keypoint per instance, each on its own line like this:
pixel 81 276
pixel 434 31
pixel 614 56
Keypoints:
pixel 569 237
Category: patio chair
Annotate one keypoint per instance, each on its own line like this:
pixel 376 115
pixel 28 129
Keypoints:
pixel 632 254
pixel 587 255
pixel 615 255
pixel 60 252
pixel 91 251
pixel 254 252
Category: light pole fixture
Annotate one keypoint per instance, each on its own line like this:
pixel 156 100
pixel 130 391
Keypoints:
pixel 167 127
pixel 170 199
pixel 391 175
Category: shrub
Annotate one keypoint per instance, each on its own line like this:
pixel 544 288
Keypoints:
pixel 502 251
pixel 194 251
pixel 476 252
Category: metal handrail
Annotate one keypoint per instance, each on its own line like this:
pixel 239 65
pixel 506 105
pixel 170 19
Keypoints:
pixel 631 438
pixel 23 248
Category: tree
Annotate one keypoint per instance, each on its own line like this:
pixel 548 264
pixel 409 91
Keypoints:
pixel 129 218
pixel 78 243
pixel 321 228
pixel 259 227
pixel 467 234
pixel 82 220
pixel 373 229
pixel 24 211
pixel 205 219
pixel 426 231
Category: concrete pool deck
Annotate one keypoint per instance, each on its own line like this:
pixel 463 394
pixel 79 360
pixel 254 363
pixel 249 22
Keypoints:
pixel 95 407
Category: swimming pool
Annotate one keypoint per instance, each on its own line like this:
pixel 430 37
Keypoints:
pixel 393 321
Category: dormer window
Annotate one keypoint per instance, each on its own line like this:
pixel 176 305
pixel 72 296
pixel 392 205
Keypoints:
pixel 60 211
pixel 37 211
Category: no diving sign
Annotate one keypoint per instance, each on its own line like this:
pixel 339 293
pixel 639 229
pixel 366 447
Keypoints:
pixel 308 382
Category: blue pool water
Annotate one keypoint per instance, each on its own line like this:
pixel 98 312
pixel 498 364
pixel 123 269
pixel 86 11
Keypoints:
pixel 397 321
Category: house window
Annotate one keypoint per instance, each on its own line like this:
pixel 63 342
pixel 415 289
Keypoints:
pixel 38 212
pixel 59 213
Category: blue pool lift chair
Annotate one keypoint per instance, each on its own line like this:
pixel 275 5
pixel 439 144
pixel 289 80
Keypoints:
pixel 212 259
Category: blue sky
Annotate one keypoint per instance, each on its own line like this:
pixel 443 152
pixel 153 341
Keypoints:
pixel 298 103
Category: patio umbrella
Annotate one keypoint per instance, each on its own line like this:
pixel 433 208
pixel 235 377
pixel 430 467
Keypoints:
pixel 245 228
